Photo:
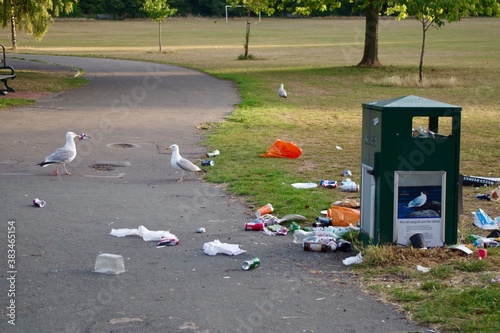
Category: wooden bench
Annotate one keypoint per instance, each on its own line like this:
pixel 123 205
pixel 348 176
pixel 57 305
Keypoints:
pixel 6 73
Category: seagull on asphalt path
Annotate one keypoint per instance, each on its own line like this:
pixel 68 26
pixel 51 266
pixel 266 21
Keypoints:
pixel 181 164
pixel 282 91
pixel 64 154
pixel 418 201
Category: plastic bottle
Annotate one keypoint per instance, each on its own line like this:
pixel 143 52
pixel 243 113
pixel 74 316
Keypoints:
pixel 300 235
pixel 316 247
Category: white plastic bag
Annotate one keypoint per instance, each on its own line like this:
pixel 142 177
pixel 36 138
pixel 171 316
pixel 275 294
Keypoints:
pixel 212 248
pixel 142 232
pixel 353 260
pixel 483 221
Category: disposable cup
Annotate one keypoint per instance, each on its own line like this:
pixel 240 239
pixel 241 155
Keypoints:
pixel 266 209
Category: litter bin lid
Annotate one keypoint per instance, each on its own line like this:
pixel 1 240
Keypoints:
pixel 410 101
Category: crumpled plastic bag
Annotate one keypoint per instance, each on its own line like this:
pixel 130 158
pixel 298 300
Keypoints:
pixel 143 232
pixel 212 248
pixel 353 260
pixel 483 221
pixel 284 149
pixel 343 216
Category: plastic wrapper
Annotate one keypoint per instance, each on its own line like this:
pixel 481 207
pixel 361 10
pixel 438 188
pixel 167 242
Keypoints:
pixel 353 260
pixel 284 149
pixel 343 216
pixel 483 221
pixel 143 232
pixel 215 247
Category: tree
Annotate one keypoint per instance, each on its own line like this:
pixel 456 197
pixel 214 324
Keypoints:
pixel 33 16
pixel 433 14
pixel 255 6
pixel 158 10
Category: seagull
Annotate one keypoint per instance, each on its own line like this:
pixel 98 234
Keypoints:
pixel 180 163
pixel 282 91
pixel 64 154
pixel 418 201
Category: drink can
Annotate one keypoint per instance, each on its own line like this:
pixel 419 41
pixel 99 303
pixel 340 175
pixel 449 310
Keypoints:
pixel 251 264
pixel 39 203
pixel 350 187
pixel 328 183
pixel 254 226
pixel 207 163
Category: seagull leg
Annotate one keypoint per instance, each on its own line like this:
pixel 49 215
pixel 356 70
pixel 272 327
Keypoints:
pixel 182 178
pixel 66 170
pixel 56 171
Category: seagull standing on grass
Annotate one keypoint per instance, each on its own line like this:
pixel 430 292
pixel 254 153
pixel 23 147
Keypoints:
pixel 282 91
pixel 418 201
pixel 64 154
pixel 181 164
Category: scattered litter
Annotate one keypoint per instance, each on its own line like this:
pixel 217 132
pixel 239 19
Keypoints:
pixel 214 153
pixel 142 232
pixel 347 185
pixel 495 280
pixel 108 263
pixel 266 209
pixel 304 185
pixel 346 173
pixel 462 248
pixel 251 264
pixel 207 163
pixel 38 203
pixel 83 137
pixel 479 181
pixel 167 241
pixel 215 247
pixel 493 195
pixel 275 230
pixel 482 254
pixel 353 260
pixel 343 216
pixel 483 221
pixel 292 217
pixel 417 241
pixel 346 202
pixel 200 230
pixel 338 147
pixel 328 183
pixel 423 269
pixel 283 149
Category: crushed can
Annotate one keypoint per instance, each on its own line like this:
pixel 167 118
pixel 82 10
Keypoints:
pixel 251 264
pixel 328 183
pixel 207 163
pixel 38 203
pixel 254 226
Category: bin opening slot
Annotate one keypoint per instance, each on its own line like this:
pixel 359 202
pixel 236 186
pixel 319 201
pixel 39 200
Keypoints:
pixel 430 127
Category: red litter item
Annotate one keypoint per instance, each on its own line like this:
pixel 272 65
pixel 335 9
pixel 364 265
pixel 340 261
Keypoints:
pixel 165 241
pixel 254 226
pixel 284 149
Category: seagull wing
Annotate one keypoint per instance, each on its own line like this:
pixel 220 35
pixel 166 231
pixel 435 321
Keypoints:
pixel 61 155
pixel 187 165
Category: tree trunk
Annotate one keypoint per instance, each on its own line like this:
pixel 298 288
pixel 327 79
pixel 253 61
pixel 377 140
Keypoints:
pixel 420 66
pixel 370 53
pixel 247 39
pixel 159 35
pixel 13 32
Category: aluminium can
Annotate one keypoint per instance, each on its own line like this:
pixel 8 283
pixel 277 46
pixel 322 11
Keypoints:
pixel 251 264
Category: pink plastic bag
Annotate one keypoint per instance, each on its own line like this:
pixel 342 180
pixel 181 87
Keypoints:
pixel 283 149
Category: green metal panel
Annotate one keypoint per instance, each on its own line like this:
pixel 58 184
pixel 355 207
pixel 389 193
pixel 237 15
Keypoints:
pixel 388 146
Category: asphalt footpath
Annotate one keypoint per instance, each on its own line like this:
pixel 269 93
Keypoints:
pixel 122 179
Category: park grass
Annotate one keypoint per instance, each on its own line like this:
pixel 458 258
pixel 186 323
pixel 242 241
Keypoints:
pixel 315 59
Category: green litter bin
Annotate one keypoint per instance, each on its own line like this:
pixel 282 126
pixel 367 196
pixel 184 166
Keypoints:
pixel 410 180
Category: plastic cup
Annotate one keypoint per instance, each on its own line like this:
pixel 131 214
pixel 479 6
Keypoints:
pixel 417 241
pixel 266 209
pixel 482 253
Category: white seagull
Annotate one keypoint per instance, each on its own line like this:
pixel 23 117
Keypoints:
pixel 64 154
pixel 181 164
pixel 282 91
pixel 418 201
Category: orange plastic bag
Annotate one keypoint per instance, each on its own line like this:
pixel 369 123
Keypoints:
pixel 283 149
pixel 343 216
